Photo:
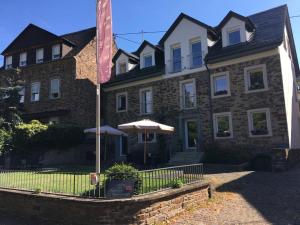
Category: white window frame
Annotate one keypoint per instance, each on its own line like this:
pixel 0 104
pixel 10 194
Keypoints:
pixel 50 91
pixel 186 134
pixel 119 66
pixel 172 48
pixel 182 101
pixel 140 94
pixel 265 79
pixel 117 103
pixel 231 30
pixel 56 56
pixel 215 123
pixel 193 41
pixel 140 139
pixel 41 60
pixel 8 59
pixel 212 82
pixel 147 55
pixel 23 62
pixel 39 92
pixel 22 93
pixel 250 122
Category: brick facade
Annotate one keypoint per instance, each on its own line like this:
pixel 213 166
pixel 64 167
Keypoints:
pixel 166 108
pixel 77 87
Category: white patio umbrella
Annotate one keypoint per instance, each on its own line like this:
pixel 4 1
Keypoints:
pixel 106 130
pixel 146 126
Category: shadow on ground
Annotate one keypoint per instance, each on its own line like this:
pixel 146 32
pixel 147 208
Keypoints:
pixel 276 196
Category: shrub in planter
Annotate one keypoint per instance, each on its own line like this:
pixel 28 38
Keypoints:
pixel 124 172
pixel 177 183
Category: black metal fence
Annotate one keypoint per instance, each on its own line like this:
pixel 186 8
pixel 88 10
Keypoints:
pixel 79 183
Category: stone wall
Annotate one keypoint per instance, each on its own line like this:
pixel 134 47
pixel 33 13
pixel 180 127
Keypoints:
pixel 148 209
pixel 166 108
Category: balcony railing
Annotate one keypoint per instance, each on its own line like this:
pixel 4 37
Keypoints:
pixel 185 63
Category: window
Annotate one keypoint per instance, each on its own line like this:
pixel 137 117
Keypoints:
pixel 259 122
pixel 147 61
pixel 122 67
pixel 191 134
pixel 22 95
pixel 56 51
pixel 54 88
pixel 40 55
pixel 176 59
pixel 146 101
pixel 35 91
pixel 256 78
pixel 8 62
pixel 222 125
pixel 149 137
pixel 196 53
pixel 121 102
pixel 54 120
pixel 220 85
pixel 234 37
pixel 188 94
pixel 123 146
pixel 23 59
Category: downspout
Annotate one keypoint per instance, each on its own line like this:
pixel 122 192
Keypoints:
pixel 210 100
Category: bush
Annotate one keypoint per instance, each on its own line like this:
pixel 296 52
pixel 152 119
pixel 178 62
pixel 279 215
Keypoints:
pixel 213 154
pixel 29 134
pixel 125 172
pixel 5 141
pixel 177 183
pixel 38 135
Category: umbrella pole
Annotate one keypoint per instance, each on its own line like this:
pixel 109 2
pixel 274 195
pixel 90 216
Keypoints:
pixel 105 147
pixel 145 148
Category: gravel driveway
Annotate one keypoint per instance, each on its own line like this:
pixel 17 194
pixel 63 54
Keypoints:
pixel 250 198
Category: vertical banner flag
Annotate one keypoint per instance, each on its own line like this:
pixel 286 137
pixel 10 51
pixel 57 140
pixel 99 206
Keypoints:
pixel 104 40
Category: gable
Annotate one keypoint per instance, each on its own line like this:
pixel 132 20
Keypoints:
pixel 31 36
pixel 186 30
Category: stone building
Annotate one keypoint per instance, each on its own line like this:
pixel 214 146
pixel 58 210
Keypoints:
pixel 59 73
pixel 231 86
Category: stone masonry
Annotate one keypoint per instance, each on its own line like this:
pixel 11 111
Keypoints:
pixel 166 107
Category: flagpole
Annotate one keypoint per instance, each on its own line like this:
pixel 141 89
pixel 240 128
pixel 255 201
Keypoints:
pixel 98 102
pixel 98 137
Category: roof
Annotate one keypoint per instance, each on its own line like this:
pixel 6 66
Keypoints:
pixel 269 30
pixel 268 34
pixel 211 32
pixel 80 39
pixel 32 35
pixel 249 25
pixel 144 44
pixel 41 36
pixel 130 55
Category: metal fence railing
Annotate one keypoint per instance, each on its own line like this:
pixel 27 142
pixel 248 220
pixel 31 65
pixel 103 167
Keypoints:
pixel 79 183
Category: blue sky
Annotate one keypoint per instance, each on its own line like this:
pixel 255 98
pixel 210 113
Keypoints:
pixel 63 16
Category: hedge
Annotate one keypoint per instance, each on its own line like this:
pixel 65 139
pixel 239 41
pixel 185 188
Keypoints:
pixel 38 135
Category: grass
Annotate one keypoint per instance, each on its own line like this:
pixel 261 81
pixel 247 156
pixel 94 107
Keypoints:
pixel 76 181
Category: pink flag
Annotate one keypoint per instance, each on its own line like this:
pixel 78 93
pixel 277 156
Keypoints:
pixel 104 40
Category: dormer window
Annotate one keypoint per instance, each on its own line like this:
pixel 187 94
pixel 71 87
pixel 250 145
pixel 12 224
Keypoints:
pixel 56 51
pixel 147 60
pixel 40 55
pixel 23 59
pixel 234 36
pixel 8 62
pixel 122 67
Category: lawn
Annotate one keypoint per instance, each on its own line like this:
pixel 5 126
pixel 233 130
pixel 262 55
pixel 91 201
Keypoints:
pixel 76 181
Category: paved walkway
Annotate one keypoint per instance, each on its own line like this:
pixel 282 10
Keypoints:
pixel 250 198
